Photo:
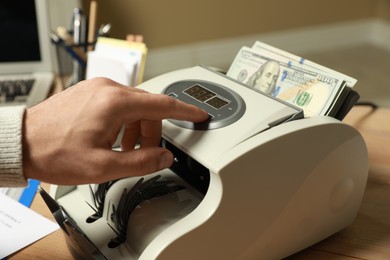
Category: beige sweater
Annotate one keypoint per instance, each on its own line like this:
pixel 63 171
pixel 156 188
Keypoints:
pixel 11 170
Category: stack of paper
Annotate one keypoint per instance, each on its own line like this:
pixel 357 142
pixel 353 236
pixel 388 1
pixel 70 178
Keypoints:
pixel 314 88
pixel 20 226
pixel 120 60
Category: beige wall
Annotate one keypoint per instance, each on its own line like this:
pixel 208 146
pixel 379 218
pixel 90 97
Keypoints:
pixel 175 22
pixel 383 9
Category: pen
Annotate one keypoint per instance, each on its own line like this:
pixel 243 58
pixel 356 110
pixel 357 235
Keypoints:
pixel 77 13
pixel 77 20
pixel 59 41
pixel 67 40
pixel 92 24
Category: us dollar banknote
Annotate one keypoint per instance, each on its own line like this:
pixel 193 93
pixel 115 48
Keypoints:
pixel 297 60
pixel 313 90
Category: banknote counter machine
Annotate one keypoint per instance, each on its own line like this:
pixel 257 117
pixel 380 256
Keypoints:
pixel 255 181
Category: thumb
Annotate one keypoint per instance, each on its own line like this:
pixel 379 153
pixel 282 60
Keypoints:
pixel 139 162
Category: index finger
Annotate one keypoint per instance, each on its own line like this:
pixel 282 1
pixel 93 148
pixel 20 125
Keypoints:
pixel 158 106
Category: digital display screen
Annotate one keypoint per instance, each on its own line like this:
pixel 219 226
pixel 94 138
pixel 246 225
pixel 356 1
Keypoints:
pixel 223 104
pixel 199 93
pixel 204 95
pixel 217 102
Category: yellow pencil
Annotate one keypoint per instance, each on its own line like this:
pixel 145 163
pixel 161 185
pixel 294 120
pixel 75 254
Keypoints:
pixel 92 24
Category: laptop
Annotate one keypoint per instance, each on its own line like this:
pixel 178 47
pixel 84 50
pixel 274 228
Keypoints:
pixel 26 65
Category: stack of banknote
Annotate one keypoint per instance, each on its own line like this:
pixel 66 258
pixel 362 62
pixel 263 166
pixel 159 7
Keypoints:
pixel 317 90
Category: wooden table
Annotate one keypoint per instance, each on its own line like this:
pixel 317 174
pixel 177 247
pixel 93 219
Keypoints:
pixel 367 238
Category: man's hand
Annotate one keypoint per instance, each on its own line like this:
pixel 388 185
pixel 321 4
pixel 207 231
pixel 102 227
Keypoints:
pixel 68 138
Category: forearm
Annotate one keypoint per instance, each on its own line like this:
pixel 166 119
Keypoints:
pixel 11 127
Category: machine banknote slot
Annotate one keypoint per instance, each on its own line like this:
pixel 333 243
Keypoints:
pixel 98 197
pixel 187 168
pixel 132 198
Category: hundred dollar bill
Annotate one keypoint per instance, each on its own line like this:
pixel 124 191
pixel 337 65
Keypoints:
pixel 310 89
pixel 261 46
pixel 297 60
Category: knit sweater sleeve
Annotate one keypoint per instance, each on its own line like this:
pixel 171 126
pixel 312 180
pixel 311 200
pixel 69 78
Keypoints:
pixel 11 168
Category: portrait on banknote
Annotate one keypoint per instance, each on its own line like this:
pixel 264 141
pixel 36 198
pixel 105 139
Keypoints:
pixel 266 77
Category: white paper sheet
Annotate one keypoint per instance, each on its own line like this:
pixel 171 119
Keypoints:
pixel 20 226
pixel 119 69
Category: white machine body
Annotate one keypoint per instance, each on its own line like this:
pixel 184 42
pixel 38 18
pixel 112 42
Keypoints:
pixel 272 186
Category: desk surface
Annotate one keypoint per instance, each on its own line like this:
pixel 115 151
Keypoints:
pixel 367 238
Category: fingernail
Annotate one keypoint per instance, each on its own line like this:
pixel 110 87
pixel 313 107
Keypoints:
pixel 166 160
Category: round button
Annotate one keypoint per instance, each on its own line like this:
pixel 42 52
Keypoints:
pixel 223 104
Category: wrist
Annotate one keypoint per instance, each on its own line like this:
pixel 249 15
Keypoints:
pixel 27 145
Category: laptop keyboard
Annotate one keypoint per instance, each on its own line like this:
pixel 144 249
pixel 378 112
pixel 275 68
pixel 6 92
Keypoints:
pixel 15 91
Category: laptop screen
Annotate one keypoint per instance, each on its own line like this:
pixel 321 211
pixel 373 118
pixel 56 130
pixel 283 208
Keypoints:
pixel 19 31
pixel 25 45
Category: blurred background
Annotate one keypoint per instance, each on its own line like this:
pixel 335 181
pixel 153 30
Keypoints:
pixel 350 36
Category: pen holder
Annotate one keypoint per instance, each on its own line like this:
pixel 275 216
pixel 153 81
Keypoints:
pixel 72 60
